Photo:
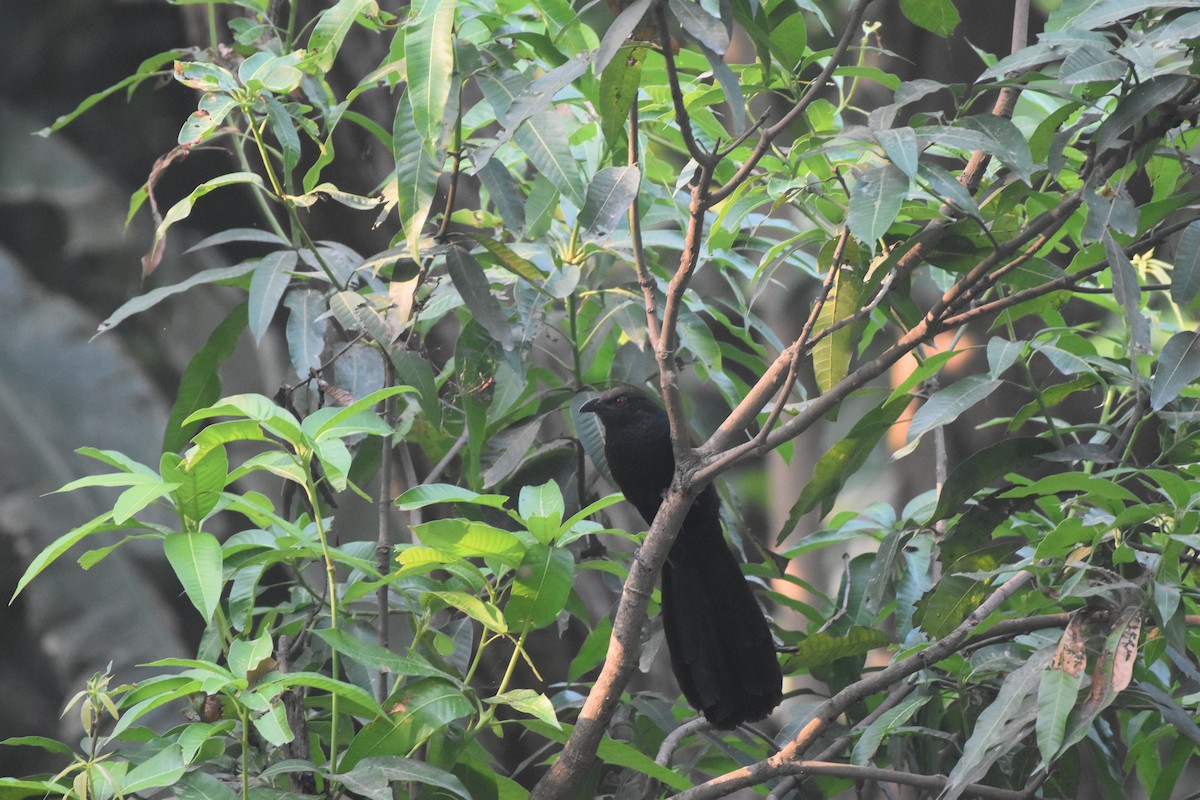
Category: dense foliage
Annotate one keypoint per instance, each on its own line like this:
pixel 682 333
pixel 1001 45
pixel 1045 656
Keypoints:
pixel 582 198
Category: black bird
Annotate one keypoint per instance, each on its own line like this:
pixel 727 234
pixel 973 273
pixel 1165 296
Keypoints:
pixel 720 645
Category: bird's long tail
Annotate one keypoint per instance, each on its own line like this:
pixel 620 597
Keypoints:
pixel 720 644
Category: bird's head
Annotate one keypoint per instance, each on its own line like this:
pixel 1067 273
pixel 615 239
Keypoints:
pixel 623 407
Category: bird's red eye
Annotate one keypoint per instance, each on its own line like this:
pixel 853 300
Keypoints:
pixel 621 401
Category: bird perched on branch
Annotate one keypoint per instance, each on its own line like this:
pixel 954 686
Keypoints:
pixel 720 645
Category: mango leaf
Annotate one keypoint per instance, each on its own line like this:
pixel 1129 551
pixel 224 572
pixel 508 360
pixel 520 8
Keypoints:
pixel 618 32
pixel 936 16
pixel 947 404
pixel 1057 694
pixel 1185 277
pixel 305 329
pixel 619 84
pixel 833 354
pixel 1001 727
pixel 164 768
pixel 476 292
pixel 701 25
pixel 541 588
pixel 418 165
pixel 543 137
pixel 512 262
pixel 609 195
pixel 1128 292
pixel 200 385
pixel 875 201
pixel 1137 106
pixel 844 458
pixel 181 210
pixel 1177 368
pixel 823 647
pixel 528 702
pixel 267 285
pixel 156 296
pixel 429 58
pixel 332 27
pixel 196 559
pixel 430 493
pixel 200 483
pixel 983 468
pixel 375 777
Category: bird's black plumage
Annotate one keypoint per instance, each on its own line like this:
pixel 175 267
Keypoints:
pixel 720 645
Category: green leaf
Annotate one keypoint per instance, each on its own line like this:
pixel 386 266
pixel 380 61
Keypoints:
pixel 485 614
pixel 541 588
pixel 466 538
pixel 429 58
pixel 982 468
pixel 844 458
pixel 900 146
pixel 200 385
pixel 136 498
pixel 198 785
pixel 51 553
pixel 542 508
pixel 1002 726
pixel 476 292
pixel 609 195
pixel 305 329
pixel 997 136
pixel 204 76
pixel 260 409
pixel 948 603
pixel 1128 292
pixel 161 769
pixel 155 296
pixel 284 128
pixel 270 280
pixel 875 201
pixel 872 736
pixel 617 754
pixel 340 425
pixel 936 16
pixel 701 25
pixel 1177 368
pixel 1140 104
pixel 374 777
pixel 543 137
pixel 373 656
pixel 180 211
pixel 823 647
pixel 197 562
pixel 150 68
pixel 418 165
pixel 538 95
pixel 1185 277
pixel 430 493
pixel 511 261
pixel 421 709
pixel 247 655
pixel 947 404
pixel 619 83
pixel 361 700
pixel 618 32
pixel 208 116
pixel 273 726
pixel 528 702
pixel 332 27
pixel 833 354
pixel 1057 694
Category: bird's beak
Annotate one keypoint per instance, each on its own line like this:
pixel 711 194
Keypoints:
pixel 592 406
